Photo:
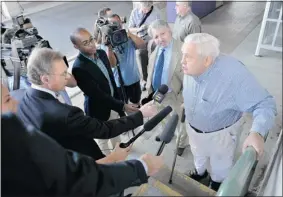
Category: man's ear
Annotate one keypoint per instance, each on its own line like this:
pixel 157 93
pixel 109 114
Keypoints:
pixel 208 61
pixel 76 46
pixel 44 79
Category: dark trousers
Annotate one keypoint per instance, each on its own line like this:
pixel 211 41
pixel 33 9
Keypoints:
pixel 133 92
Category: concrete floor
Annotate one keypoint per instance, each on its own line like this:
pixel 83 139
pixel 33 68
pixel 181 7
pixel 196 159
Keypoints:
pixel 237 25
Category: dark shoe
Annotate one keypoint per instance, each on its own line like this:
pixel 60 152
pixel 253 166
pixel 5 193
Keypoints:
pixel 128 195
pixel 180 151
pixel 194 175
pixel 214 185
pixel 157 138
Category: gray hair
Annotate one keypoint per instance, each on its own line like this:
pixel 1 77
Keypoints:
pixel 207 45
pixel 40 62
pixel 146 4
pixel 187 3
pixel 157 24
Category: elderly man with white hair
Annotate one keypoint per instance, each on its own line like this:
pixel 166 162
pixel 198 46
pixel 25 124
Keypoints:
pixel 218 89
pixel 139 21
pixel 186 21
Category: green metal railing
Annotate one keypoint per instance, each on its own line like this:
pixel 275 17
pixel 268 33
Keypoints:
pixel 238 181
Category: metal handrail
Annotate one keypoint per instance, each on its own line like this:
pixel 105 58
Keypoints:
pixel 238 181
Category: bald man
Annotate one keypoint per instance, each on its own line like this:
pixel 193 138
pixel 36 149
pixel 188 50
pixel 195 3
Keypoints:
pixel 92 70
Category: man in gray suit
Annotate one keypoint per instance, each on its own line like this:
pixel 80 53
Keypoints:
pixel 164 67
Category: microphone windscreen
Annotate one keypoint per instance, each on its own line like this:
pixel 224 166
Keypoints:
pixel 168 133
pixel 157 118
pixel 163 89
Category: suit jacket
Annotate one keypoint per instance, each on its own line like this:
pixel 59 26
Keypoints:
pixel 33 164
pixel 91 80
pixel 175 73
pixel 68 125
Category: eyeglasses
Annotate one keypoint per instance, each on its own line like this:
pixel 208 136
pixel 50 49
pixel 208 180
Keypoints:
pixel 64 74
pixel 86 43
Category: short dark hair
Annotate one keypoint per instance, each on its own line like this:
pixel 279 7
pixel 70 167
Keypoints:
pixel 114 15
pixel 102 12
pixel 27 20
pixel 73 36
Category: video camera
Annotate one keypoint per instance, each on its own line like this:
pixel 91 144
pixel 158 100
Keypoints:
pixel 112 32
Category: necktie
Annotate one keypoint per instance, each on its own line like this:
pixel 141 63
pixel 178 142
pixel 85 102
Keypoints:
pixel 158 71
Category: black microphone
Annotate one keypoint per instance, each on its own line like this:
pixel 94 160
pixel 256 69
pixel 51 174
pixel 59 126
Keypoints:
pixel 159 95
pixel 149 125
pixel 168 133
pixel 183 116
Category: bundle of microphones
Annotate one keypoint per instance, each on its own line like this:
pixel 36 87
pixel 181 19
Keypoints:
pixel 169 130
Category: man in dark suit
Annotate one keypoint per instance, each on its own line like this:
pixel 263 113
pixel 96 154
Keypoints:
pixel 33 164
pixel 94 76
pixel 67 124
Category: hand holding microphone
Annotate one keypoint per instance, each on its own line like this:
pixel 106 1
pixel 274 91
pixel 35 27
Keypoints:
pixel 120 154
pixel 149 125
pixel 148 110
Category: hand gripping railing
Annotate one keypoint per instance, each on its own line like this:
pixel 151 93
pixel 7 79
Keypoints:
pixel 238 181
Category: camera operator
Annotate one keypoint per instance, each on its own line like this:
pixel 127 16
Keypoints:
pixel 126 61
pixel 102 13
pixel 139 21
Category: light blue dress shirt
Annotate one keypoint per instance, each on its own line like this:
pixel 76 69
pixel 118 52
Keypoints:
pixel 218 97
pixel 167 59
pixel 128 64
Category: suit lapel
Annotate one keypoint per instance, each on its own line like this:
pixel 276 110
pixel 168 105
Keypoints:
pixel 92 68
pixel 174 59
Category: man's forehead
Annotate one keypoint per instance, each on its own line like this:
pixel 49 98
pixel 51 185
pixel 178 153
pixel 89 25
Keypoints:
pixel 82 35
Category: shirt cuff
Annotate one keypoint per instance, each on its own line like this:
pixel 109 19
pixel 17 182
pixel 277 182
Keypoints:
pixel 144 165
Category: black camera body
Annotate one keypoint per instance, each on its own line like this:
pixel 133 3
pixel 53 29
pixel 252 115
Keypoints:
pixel 113 33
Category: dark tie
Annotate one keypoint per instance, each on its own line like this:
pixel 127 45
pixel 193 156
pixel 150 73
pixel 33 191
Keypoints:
pixel 158 71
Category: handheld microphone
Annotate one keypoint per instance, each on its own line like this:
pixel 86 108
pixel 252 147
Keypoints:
pixel 168 133
pixel 159 95
pixel 149 125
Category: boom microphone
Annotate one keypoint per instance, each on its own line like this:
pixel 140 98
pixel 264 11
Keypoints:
pixel 168 133
pixel 149 125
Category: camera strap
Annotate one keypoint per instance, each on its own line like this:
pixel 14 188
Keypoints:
pixel 145 17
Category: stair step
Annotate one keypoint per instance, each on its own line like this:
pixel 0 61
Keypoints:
pixel 182 186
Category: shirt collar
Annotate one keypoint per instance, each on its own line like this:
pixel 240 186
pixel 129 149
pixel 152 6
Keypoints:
pixel 181 17
pixel 167 47
pixel 44 90
pixel 93 59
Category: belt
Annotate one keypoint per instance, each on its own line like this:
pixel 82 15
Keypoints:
pixel 199 131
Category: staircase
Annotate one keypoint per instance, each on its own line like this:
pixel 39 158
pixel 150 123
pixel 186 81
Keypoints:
pixel 181 185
